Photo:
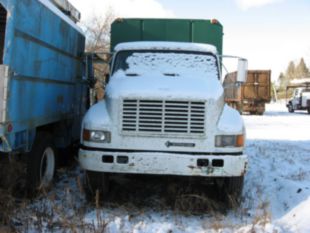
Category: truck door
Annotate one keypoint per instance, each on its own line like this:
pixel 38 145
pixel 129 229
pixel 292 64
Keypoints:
pixel 296 99
pixel 305 97
pixel 3 16
pixel 3 68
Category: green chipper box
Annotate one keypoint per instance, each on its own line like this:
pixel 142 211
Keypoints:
pixel 177 30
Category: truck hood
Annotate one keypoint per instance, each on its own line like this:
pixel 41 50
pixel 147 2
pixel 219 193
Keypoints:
pixel 154 86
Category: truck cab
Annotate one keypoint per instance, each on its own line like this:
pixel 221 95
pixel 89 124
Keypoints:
pixel 164 114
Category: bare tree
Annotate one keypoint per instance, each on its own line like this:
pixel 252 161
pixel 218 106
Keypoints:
pixel 97 31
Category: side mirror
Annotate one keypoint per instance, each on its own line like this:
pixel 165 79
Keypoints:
pixel 90 71
pixel 242 70
pixel 107 78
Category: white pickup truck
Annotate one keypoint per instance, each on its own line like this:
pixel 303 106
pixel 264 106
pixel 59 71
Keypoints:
pixel 164 114
pixel 300 100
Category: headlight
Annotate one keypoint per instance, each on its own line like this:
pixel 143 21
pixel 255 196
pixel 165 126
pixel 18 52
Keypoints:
pixel 96 136
pixel 229 141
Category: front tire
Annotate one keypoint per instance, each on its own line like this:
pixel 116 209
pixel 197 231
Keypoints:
pixel 97 185
pixel 290 108
pixel 41 164
pixel 233 187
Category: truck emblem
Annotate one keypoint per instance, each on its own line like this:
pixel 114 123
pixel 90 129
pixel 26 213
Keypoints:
pixel 169 144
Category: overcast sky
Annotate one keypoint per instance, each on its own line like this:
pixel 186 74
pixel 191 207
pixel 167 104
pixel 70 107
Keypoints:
pixel 269 33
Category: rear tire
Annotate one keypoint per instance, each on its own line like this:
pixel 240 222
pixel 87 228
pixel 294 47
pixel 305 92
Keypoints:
pixel 233 187
pixel 41 164
pixel 97 185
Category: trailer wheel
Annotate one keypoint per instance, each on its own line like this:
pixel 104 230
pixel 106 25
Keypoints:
pixel 290 108
pixel 41 164
pixel 97 186
pixel 233 190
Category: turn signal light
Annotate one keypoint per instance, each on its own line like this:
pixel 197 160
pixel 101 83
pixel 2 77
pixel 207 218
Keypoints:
pixel 86 135
pixel 214 21
pixel 229 141
pixel 240 141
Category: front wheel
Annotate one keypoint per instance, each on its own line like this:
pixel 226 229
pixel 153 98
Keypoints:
pixel 97 185
pixel 233 187
pixel 41 164
pixel 290 108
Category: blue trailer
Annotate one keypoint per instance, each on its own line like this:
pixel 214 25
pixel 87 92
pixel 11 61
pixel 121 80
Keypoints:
pixel 43 83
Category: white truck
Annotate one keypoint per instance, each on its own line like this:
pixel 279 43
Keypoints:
pixel 164 114
pixel 300 99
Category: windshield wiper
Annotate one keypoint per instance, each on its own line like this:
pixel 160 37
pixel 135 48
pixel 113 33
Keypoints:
pixel 132 74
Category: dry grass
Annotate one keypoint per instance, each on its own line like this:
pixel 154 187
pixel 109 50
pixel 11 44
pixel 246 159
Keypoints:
pixel 197 204
pixel 64 209
pixel 60 210
pixel 12 189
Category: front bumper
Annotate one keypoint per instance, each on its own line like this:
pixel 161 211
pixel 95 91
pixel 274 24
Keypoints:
pixel 163 163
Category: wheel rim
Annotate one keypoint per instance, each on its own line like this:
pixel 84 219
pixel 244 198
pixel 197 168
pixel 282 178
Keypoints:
pixel 47 167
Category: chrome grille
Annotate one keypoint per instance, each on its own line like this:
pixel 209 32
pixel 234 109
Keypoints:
pixel 157 116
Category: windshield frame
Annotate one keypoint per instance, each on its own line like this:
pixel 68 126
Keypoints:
pixel 166 51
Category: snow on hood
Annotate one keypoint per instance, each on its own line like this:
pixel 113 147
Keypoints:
pixel 183 46
pixel 230 121
pixel 156 85
pixel 161 74
pixel 94 117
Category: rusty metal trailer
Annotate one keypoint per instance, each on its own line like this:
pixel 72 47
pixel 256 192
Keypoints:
pixel 251 96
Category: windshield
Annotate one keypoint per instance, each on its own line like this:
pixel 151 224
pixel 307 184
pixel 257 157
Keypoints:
pixel 169 63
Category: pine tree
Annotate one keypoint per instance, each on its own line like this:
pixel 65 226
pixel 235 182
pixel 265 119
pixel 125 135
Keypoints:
pixel 291 71
pixel 283 81
pixel 301 70
pixel 281 76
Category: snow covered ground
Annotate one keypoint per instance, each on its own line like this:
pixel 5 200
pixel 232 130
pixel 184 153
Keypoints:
pixel 279 175
pixel 276 196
